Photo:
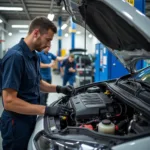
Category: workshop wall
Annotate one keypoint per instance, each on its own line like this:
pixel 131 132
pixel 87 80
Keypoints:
pixel 66 41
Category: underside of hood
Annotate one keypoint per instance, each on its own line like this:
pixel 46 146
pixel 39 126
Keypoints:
pixel 119 26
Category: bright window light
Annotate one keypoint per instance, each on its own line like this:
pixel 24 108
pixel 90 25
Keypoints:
pixel 12 8
pixel 20 26
pixel 90 36
pixel 51 17
pixel 78 32
pixel 64 26
pixel 10 34
pixel 63 8
pixel 1 21
pixel 23 31
pixel 66 35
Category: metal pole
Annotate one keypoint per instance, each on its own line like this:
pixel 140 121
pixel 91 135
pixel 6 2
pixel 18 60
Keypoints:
pixel 59 39
pixel 73 33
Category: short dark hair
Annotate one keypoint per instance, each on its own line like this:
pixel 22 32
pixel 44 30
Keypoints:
pixel 43 23
pixel 71 55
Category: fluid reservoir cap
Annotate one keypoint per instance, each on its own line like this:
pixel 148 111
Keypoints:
pixel 94 89
pixel 106 122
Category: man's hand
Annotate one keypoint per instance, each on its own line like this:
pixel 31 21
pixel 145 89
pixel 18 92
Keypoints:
pixel 57 111
pixel 51 65
pixel 71 69
pixel 67 90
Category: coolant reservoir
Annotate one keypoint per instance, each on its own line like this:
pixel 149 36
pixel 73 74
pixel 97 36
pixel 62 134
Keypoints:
pixel 106 126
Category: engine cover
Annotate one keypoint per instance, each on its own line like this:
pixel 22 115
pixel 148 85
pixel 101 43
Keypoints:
pixel 89 104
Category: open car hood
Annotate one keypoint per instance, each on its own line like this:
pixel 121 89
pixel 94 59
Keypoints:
pixel 118 25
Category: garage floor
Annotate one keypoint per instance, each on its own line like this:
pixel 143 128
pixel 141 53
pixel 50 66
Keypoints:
pixel 52 97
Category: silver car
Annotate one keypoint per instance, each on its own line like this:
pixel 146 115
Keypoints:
pixel 110 115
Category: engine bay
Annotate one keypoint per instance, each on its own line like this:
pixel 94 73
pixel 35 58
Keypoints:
pixel 99 110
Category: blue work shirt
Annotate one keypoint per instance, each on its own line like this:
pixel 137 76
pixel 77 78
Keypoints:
pixel 21 72
pixel 46 58
pixel 68 65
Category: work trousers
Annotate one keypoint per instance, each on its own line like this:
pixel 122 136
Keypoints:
pixel 68 78
pixel 16 130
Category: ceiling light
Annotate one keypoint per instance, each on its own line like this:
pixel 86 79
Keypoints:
pixel 64 26
pixel 78 32
pixel 90 36
pixel 51 17
pixel 63 8
pixel 1 21
pixel 20 26
pixel 10 34
pixel 66 35
pixel 23 31
pixel 12 8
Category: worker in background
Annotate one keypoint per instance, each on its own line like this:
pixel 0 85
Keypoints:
pixel 21 85
pixel 68 69
pixel 46 64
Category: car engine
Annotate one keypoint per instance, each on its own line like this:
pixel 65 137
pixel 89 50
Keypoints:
pixel 101 111
pixel 89 104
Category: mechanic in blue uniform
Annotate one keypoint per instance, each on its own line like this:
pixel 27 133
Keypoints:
pixel 21 85
pixel 46 64
pixel 69 70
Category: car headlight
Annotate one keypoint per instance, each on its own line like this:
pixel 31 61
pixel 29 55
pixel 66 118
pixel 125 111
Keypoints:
pixel 42 142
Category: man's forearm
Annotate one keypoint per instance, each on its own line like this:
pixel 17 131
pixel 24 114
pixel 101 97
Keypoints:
pixel 22 107
pixel 60 58
pixel 44 65
pixel 46 87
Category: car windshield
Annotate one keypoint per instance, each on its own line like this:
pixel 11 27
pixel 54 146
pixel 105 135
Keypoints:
pixel 143 75
pixel 83 59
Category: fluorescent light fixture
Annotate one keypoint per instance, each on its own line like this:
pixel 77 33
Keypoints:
pixel 63 8
pixel 1 20
pixel 90 35
pixel 51 17
pixel 64 26
pixel 10 34
pixel 23 31
pixel 20 26
pixel 66 35
pixel 78 32
pixel 12 8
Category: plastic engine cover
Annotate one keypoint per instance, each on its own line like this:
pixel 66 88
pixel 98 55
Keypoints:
pixel 88 104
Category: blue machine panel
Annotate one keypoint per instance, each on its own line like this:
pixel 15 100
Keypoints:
pixel 97 63
pixel 117 69
pixel 106 65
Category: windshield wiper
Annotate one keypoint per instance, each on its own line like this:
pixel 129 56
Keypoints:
pixel 139 81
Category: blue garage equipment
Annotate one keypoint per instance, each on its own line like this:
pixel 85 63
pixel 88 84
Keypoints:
pixel 106 65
